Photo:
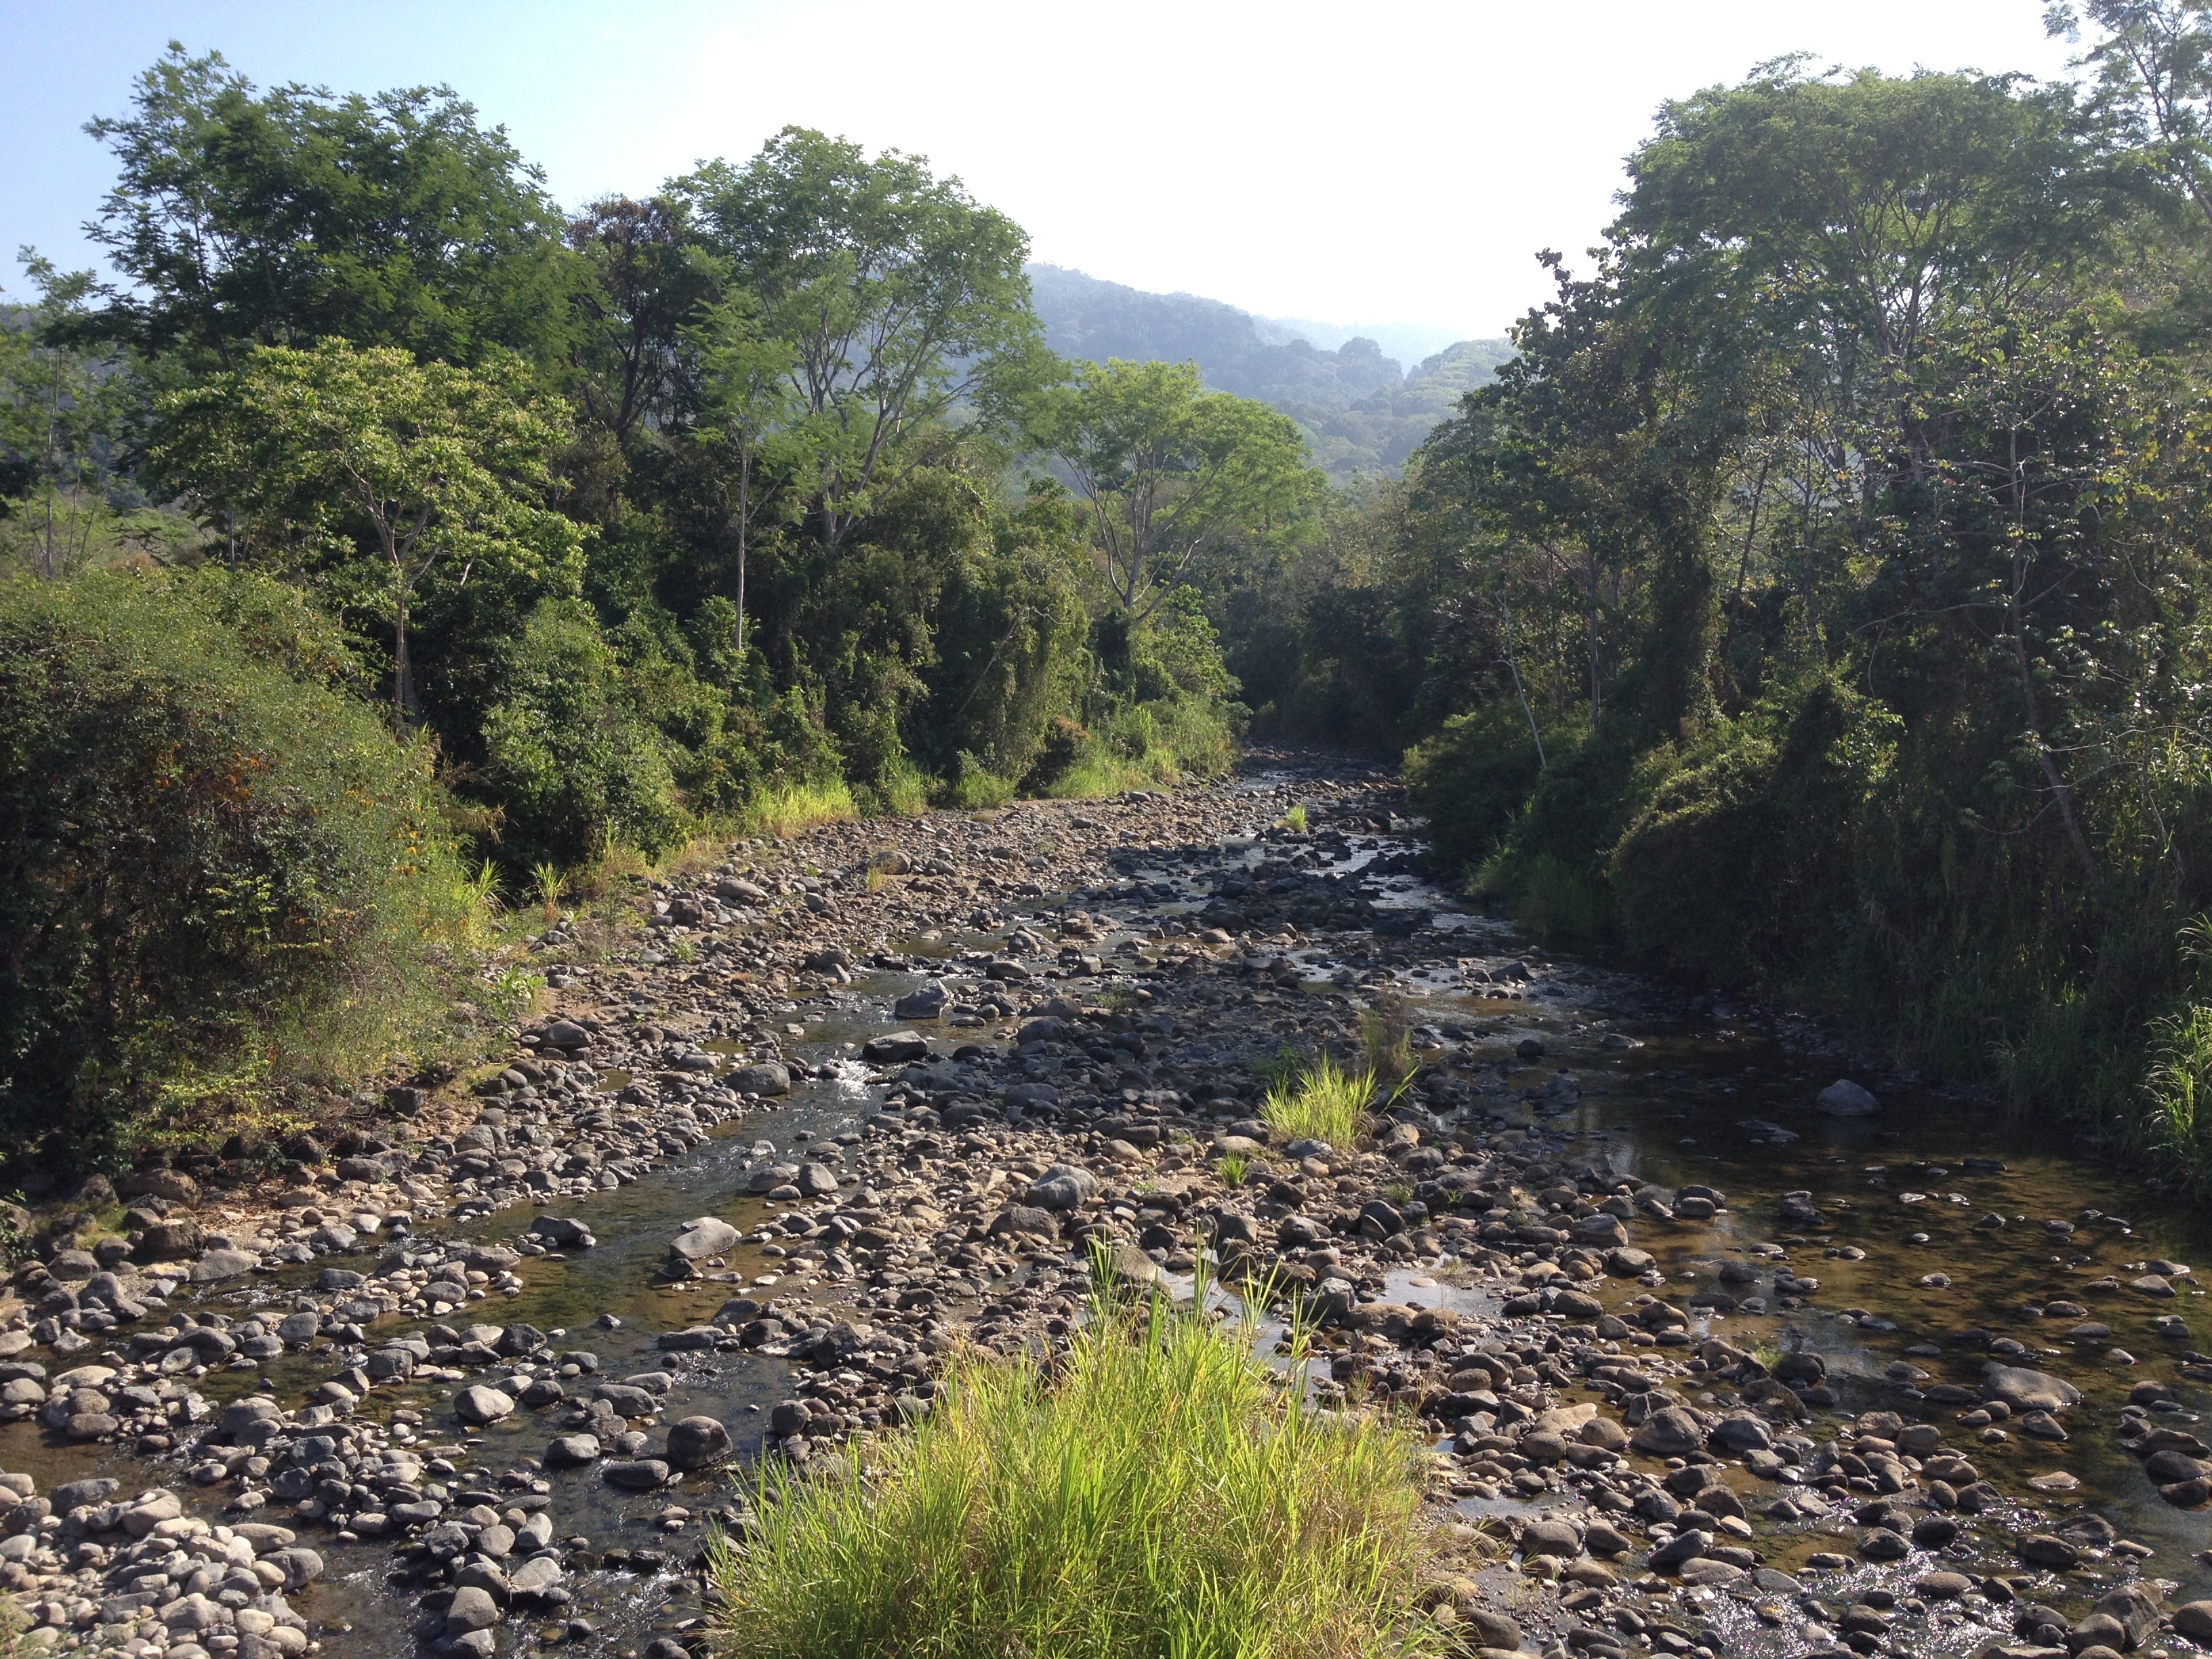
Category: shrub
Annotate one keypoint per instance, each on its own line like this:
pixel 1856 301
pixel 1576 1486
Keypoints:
pixel 1158 1493
pixel 1738 865
pixel 569 756
pixel 2177 1096
pixel 1472 779
pixel 215 863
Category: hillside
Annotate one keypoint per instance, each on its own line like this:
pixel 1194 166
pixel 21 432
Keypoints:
pixel 1361 410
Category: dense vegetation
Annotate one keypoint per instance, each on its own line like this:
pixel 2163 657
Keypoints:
pixel 608 527
pixel 1816 603
pixel 1810 601
pixel 1361 411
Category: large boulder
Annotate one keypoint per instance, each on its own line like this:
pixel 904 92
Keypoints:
pixel 1672 1432
pixel 766 1076
pixel 480 1405
pixel 1843 1098
pixel 2026 1390
pixel 708 1236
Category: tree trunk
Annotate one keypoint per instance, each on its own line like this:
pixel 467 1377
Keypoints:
pixel 1512 662
pixel 403 671
pixel 744 512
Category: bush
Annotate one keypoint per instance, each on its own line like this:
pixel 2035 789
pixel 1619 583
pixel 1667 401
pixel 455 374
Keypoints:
pixel 1738 866
pixel 570 758
pixel 1472 779
pixel 1159 1492
pixel 216 863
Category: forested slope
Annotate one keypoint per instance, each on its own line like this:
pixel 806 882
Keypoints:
pixel 1361 411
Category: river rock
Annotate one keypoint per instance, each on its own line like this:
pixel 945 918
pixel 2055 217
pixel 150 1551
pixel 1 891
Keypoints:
pixel 1549 1537
pixel 1682 1547
pixel 706 1235
pixel 695 1441
pixel 572 1451
pixel 636 1474
pixel 480 1405
pixel 1601 1231
pixel 561 1231
pixel 1672 1432
pixel 763 1077
pixel 470 1609
pixel 1063 1186
pixel 1843 1098
pixel 2043 1549
pixel 2026 1390
pixel 219 1265
pixel 926 1002
pixel 895 1048
pixel 2194 1620
pixel 2134 1609
pixel 172 1239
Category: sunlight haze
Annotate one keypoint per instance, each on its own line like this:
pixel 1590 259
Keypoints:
pixel 1402 163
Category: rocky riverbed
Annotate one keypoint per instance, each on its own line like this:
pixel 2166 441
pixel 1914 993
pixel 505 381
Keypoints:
pixel 1726 1336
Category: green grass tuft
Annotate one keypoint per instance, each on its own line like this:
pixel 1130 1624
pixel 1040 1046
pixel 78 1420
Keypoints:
pixel 1324 1103
pixel 791 809
pixel 1156 1492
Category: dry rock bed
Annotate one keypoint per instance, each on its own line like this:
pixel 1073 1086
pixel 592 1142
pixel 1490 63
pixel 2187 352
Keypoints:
pixel 476 1376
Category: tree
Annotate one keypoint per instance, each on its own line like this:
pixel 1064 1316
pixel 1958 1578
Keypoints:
pixel 243 218
pixel 750 414
pixel 1168 468
pixel 57 404
pixel 436 469
pixel 902 297
pixel 2154 83
pixel 650 281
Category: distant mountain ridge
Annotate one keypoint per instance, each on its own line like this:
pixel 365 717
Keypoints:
pixel 1361 411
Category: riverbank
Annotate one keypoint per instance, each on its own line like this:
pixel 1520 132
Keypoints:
pixel 472 1375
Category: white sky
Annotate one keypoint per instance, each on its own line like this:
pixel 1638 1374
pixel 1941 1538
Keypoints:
pixel 1395 162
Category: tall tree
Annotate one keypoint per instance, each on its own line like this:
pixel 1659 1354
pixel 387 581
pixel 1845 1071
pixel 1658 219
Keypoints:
pixel 243 218
pixel 750 422
pixel 2154 83
pixel 901 296
pixel 1169 469
pixel 648 280
pixel 334 456
pixel 57 404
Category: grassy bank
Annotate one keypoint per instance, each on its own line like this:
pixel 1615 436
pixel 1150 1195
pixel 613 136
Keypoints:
pixel 1815 850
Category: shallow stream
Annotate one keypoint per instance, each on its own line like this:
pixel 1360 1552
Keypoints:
pixel 1664 1100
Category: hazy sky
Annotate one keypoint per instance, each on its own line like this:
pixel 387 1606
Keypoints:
pixel 1372 163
